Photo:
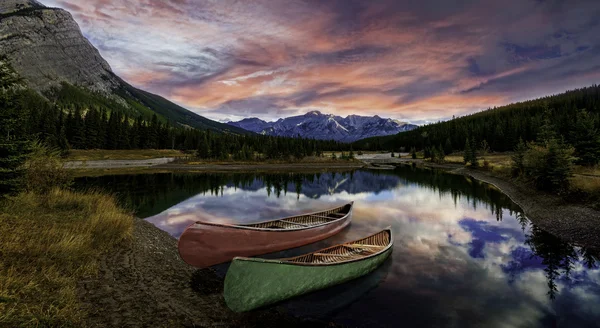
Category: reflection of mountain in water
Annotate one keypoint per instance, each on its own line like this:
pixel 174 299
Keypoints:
pixel 317 185
pixel 150 194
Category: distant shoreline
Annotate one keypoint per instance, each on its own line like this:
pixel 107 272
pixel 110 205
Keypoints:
pixel 81 168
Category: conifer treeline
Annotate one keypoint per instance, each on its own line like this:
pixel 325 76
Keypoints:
pixel 502 127
pixel 95 128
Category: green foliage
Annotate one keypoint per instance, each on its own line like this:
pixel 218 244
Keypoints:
pixel 586 139
pixel 413 153
pixel 45 171
pixel 518 158
pixel 448 147
pixel 485 148
pixel 549 165
pixel 501 127
pixel 14 141
pixel 473 154
pixel 467 152
pixel 174 113
pixel 547 162
pixel 438 155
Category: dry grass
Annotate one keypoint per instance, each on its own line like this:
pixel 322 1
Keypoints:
pixel 47 244
pixel 586 179
pixel 497 162
pixel 138 154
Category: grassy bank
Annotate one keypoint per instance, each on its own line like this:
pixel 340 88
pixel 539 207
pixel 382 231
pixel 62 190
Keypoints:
pixel 47 244
pixel 138 154
pixel 585 180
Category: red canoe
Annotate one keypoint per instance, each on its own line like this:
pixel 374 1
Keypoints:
pixel 204 244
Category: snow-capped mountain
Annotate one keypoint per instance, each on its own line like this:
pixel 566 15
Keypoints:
pixel 326 126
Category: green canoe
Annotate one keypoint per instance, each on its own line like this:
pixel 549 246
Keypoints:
pixel 253 282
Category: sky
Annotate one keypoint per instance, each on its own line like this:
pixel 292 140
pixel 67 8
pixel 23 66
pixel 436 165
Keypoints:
pixel 417 61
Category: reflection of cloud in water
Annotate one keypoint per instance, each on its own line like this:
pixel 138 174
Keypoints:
pixel 454 264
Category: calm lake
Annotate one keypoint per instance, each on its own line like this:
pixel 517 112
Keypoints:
pixel 464 255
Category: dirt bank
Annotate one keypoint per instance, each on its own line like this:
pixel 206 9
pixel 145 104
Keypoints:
pixel 147 285
pixel 262 167
pixel 575 223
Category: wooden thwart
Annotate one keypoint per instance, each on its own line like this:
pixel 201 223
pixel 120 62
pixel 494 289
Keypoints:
pixel 298 224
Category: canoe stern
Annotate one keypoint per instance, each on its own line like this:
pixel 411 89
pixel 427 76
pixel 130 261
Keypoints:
pixel 252 283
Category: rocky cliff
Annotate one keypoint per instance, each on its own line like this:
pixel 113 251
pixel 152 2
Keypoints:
pixel 47 49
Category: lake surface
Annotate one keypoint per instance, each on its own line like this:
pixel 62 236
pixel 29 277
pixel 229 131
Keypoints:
pixel 464 255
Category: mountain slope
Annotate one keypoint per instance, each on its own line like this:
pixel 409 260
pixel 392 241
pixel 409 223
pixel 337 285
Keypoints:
pixel 326 127
pixel 47 49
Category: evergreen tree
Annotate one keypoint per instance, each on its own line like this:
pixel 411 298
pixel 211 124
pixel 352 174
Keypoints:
pixel 14 145
pixel 203 147
pixel 448 147
pixel 77 126
pixel 518 158
pixel 586 139
pixel 473 155
pixel 92 130
pixel 467 152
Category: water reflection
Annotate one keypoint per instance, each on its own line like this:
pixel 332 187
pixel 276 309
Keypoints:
pixel 464 254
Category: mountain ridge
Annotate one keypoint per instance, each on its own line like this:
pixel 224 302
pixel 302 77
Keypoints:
pixel 317 125
pixel 46 47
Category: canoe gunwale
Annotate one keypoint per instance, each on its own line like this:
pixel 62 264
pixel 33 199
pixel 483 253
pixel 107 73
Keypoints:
pixel 246 227
pixel 286 262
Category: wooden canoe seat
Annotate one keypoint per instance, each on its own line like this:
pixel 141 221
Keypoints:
pixel 298 224
pixel 336 255
pixel 323 217
pixel 364 246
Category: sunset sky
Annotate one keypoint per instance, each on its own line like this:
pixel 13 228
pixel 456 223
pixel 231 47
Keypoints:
pixel 417 61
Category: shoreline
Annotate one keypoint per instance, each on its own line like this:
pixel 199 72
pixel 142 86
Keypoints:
pixel 575 223
pixel 572 222
pixel 229 167
pixel 146 283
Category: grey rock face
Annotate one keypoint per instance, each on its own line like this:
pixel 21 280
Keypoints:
pixel 9 6
pixel 47 47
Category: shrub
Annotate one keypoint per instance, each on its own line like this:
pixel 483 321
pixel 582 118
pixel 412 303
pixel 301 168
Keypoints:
pixel 486 165
pixel 45 171
pixel 549 165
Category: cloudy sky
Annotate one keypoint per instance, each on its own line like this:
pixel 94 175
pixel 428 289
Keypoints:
pixel 413 60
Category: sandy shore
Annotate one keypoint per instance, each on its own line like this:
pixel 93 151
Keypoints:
pixel 147 285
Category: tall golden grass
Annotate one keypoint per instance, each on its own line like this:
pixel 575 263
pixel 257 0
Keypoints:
pixel 47 244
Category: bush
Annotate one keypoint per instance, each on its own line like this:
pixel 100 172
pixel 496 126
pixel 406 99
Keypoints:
pixel 45 171
pixel 549 165
pixel 486 165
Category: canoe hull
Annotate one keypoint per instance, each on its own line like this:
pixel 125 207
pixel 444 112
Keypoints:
pixel 203 245
pixel 253 284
